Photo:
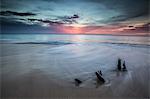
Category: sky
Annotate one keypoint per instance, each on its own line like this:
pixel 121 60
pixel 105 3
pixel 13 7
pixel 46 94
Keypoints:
pixel 119 17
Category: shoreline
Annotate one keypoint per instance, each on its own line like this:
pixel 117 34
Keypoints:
pixel 76 34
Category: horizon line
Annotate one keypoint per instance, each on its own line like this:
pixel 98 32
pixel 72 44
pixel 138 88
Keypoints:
pixel 76 34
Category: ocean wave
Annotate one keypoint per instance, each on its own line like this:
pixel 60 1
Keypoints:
pixel 84 43
pixel 49 43
pixel 127 44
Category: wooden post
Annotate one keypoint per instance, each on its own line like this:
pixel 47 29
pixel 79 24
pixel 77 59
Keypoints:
pixel 119 64
pixel 100 72
pixel 124 66
pixel 100 78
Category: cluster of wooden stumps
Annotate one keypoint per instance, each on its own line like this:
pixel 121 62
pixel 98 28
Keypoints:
pixel 120 67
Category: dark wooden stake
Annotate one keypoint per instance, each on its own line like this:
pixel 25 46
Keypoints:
pixel 124 66
pixel 119 64
pixel 100 78
pixel 100 72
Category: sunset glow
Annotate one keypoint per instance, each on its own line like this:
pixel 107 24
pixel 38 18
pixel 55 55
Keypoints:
pixel 72 29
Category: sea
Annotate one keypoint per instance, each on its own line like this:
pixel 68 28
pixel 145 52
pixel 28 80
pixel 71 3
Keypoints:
pixel 76 56
pixel 75 39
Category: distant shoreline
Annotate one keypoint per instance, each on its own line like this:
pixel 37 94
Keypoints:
pixel 72 34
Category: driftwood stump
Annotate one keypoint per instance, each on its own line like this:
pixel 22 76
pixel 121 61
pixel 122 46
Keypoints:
pixel 77 81
pixel 119 64
pixel 124 66
pixel 100 78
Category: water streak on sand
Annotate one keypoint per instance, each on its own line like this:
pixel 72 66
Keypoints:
pixel 45 69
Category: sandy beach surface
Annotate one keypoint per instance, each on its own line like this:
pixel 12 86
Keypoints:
pixel 41 71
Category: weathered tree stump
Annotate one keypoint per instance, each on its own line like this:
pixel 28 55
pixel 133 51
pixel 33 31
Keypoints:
pixel 100 78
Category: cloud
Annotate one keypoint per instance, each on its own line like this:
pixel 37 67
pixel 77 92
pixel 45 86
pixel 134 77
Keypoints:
pixel 130 26
pixel 12 26
pixel 50 22
pixel 138 29
pixel 75 16
pixel 69 19
pixel 10 13
pixel 59 21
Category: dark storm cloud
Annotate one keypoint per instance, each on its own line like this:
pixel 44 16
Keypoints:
pixel 58 21
pixel 50 22
pixel 75 16
pixel 20 27
pixel 68 19
pixel 9 13
pixel 130 26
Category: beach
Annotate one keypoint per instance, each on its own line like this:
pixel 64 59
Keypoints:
pixel 47 71
pixel 74 49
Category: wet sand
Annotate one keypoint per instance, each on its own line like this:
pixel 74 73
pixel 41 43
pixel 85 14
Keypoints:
pixel 30 71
